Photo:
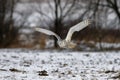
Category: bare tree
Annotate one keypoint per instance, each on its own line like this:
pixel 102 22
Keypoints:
pixel 7 30
pixel 59 16
pixel 113 4
pixel 62 11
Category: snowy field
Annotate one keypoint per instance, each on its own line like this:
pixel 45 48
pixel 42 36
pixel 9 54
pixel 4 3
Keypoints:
pixel 23 64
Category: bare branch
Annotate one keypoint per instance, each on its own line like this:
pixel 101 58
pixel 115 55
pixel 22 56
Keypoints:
pixel 44 14
pixel 103 5
pixel 48 1
pixel 70 8
pixel 65 4
pixel 60 7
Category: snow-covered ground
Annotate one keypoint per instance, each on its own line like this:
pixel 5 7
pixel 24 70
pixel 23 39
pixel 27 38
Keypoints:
pixel 23 64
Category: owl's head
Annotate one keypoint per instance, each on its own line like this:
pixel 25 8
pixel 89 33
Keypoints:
pixel 62 44
pixel 66 44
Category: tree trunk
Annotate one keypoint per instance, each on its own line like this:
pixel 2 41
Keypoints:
pixel 56 23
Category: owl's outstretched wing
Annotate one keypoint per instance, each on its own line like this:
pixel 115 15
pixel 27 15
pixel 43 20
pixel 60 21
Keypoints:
pixel 77 27
pixel 48 32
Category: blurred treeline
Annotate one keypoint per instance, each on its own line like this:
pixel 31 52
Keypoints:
pixel 18 17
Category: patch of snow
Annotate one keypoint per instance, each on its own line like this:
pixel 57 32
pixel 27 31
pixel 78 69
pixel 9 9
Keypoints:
pixel 108 45
pixel 22 64
pixel 49 43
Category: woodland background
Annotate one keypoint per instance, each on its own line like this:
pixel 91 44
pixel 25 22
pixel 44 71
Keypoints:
pixel 19 17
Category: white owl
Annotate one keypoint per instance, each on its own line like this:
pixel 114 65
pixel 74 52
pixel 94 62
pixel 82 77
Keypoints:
pixel 66 43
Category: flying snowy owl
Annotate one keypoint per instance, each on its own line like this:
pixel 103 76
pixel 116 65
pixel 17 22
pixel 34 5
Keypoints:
pixel 66 43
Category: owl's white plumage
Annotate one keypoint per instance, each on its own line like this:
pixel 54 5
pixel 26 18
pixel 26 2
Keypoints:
pixel 77 27
pixel 67 42
pixel 48 32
